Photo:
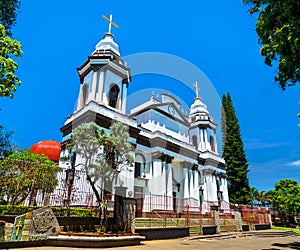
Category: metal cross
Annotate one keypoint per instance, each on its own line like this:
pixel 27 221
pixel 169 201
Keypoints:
pixel 110 22
pixel 197 88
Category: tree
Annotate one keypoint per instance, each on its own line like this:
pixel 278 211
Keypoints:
pixel 22 172
pixel 103 155
pixel 285 198
pixel 234 155
pixel 8 13
pixel 6 145
pixel 258 197
pixel 278 29
pixel 8 48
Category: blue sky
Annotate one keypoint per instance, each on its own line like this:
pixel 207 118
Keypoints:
pixel 218 37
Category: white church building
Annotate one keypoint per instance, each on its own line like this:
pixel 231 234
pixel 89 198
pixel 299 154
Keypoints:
pixel 176 161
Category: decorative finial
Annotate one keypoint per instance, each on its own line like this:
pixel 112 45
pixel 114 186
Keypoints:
pixel 197 89
pixel 110 23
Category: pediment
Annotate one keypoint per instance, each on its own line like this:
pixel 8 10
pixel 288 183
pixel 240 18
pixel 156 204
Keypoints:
pixel 171 110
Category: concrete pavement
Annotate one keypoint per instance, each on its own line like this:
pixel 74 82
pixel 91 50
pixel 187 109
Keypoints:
pixel 189 243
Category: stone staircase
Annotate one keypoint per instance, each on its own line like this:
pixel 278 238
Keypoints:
pixel 251 234
pixel 272 233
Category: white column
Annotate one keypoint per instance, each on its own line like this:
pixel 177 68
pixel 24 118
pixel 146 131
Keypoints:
pixel 186 193
pixel 99 94
pixel 123 99
pixel 214 195
pixel 225 190
pixel 191 184
pixel 205 204
pixel 207 145
pixel 163 180
pixel 196 186
pixel 79 105
pixel 92 95
pixel 216 144
pixel 201 140
pixel 169 192
pixel 157 186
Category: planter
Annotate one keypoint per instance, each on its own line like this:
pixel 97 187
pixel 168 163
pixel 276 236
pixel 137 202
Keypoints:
pixel 208 230
pixel 261 226
pixel 245 228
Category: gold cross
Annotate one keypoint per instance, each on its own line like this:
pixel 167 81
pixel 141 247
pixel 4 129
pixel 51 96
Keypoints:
pixel 197 88
pixel 110 22
pixel 18 227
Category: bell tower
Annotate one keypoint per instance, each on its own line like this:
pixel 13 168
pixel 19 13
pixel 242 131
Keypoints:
pixel 202 130
pixel 104 78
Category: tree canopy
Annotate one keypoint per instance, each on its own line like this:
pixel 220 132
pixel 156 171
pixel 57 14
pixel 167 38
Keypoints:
pixel 278 29
pixel 8 13
pixel 285 198
pixel 8 48
pixel 6 145
pixel 234 154
pixel 103 154
pixel 22 172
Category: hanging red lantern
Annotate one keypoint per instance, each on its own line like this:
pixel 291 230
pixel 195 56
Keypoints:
pixel 49 148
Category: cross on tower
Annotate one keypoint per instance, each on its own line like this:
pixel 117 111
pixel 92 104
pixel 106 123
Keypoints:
pixel 110 22
pixel 197 89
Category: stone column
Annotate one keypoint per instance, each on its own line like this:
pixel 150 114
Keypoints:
pixel 129 214
pixel 238 219
pixel 215 217
pixel 120 193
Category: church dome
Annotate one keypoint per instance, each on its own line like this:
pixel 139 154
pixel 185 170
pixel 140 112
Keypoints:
pixel 49 148
pixel 107 44
pixel 198 107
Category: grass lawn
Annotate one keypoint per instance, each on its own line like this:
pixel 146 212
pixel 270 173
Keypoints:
pixel 287 228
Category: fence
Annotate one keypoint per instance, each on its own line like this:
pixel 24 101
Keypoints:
pixel 162 211
pixel 255 215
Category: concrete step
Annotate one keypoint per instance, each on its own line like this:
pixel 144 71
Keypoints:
pixel 280 233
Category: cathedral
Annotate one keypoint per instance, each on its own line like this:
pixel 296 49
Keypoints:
pixel 176 160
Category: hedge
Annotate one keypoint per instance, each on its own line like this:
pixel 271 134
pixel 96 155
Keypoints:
pixel 58 211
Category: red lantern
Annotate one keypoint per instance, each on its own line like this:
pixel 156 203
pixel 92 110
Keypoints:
pixel 49 148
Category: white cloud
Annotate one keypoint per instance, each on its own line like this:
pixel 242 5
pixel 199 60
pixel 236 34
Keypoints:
pixel 257 144
pixel 294 163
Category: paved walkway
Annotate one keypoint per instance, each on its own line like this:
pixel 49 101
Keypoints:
pixel 188 243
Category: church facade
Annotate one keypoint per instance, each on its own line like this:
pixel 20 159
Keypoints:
pixel 176 161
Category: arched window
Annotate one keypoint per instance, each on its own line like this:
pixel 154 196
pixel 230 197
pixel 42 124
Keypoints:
pixel 194 141
pixel 140 165
pixel 212 143
pixel 113 96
